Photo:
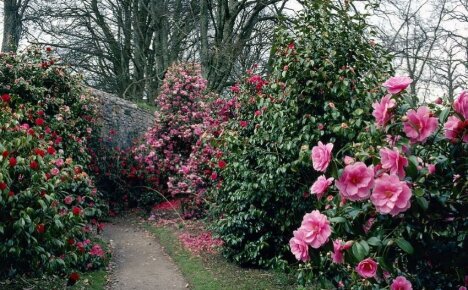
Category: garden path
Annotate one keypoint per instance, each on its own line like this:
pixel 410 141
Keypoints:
pixel 138 261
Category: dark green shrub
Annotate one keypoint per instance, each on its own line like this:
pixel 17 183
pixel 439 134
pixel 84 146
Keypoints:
pixel 325 75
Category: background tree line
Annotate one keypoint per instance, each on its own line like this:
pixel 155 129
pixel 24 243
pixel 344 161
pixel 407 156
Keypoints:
pixel 125 46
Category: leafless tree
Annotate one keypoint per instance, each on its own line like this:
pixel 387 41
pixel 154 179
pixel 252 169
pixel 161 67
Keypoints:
pixel 125 46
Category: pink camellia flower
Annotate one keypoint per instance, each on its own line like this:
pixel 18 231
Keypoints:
pixel 59 162
pixel 356 181
pixel 392 160
pixel 400 283
pixel 298 246
pixel 321 156
pixel 316 228
pixel 460 105
pixel 382 110
pixel 453 128
pixel 55 171
pixel 419 124
pixel 348 160
pixel 397 84
pixel 321 185
pixel 68 199
pixel 97 251
pixel 390 195
pixel 337 255
pixel 243 124
pixel 431 168
pixel 367 268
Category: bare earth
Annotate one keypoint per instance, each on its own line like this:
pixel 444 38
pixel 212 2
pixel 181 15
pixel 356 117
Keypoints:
pixel 138 261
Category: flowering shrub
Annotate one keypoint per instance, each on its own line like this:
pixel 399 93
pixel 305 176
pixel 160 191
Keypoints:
pixel 325 73
pixel 176 153
pixel 46 198
pixel 397 209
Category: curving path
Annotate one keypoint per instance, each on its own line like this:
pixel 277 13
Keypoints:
pixel 138 261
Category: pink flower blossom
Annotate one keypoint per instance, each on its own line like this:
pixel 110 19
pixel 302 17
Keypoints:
pixel 367 268
pixel 453 128
pixel 68 199
pixel 390 195
pixel 337 255
pixel 348 160
pixel 460 105
pixel 392 160
pixel 320 186
pixel 54 171
pixel 316 228
pixel 96 251
pixel 382 111
pixel 420 124
pixel 431 168
pixel 400 283
pixel 356 181
pixel 321 156
pixel 59 162
pixel 368 225
pixel 397 84
pixel 298 246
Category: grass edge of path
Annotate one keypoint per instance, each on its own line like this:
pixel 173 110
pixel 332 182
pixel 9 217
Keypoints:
pixel 215 273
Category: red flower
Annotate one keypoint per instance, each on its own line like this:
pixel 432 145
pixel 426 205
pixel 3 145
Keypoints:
pixel 43 193
pixel 5 154
pixel 13 161
pixel 3 185
pixel 71 241
pixel 222 164
pixel 6 98
pixel 76 210
pixel 40 228
pixel 31 132
pixel 34 165
pixel 73 278
pixel 214 176
pixel 11 193
pixel 51 150
pixel 48 49
pixel 39 152
pixel 40 121
pixel 40 113
pixel 291 45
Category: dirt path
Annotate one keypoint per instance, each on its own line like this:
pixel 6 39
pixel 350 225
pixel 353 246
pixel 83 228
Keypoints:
pixel 138 261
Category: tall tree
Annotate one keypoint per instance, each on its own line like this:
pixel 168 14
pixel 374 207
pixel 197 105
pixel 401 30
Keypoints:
pixel 14 13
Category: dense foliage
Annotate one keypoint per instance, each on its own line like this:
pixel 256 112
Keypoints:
pixel 174 158
pixel 396 214
pixel 48 203
pixel 325 73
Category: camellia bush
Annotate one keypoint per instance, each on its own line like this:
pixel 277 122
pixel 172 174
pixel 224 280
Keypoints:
pixel 176 154
pixel 48 204
pixel 393 212
pixel 325 73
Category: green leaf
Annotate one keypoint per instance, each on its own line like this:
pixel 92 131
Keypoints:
pixel 337 219
pixel 443 115
pixel 358 251
pixel 422 202
pixel 405 245
pixel 374 241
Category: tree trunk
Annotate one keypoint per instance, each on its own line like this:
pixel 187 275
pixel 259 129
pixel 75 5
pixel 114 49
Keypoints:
pixel 12 25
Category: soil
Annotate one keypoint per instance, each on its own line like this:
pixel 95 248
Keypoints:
pixel 138 261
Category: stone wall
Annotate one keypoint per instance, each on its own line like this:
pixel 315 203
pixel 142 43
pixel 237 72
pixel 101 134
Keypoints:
pixel 121 119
